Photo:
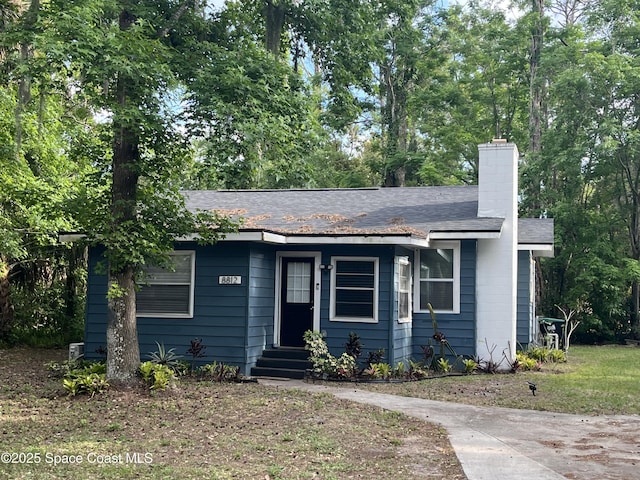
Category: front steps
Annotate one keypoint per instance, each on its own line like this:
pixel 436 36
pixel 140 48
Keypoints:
pixel 282 362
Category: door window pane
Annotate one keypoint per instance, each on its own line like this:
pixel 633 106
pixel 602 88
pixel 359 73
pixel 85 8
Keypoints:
pixel 298 282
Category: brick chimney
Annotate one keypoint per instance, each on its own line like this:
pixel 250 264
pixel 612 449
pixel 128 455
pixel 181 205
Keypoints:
pixel 497 269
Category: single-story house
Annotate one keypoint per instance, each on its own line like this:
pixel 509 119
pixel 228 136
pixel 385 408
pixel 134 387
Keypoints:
pixel 365 260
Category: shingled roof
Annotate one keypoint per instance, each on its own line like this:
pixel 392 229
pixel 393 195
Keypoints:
pixel 418 212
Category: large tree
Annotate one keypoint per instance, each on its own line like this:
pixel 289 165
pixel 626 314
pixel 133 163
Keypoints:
pixel 34 170
pixel 124 56
pixel 618 117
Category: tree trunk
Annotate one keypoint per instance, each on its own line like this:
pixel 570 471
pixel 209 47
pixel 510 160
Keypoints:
pixel 6 308
pixel 395 122
pixel 274 13
pixel 535 100
pixel 24 83
pixel 535 118
pixel 123 350
pixel 535 107
pixel 635 308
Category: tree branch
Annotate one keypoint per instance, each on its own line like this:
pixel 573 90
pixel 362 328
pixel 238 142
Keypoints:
pixel 174 18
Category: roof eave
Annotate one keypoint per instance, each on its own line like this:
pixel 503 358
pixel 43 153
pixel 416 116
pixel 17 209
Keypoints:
pixel 464 235
pixel 294 239
pixel 538 249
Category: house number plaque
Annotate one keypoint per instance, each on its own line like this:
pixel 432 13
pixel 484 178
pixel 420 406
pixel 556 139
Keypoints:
pixel 230 280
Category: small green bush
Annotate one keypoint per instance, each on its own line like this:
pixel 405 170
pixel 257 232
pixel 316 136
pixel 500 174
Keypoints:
pixel 156 375
pixel 220 372
pixel 417 370
pixel 538 353
pixel 88 378
pixel 525 362
pixel 470 365
pixel 162 356
pixel 399 370
pixel 379 370
pixel 443 365
pixel 557 356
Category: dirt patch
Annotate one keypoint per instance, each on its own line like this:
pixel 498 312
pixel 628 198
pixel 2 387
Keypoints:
pixel 206 430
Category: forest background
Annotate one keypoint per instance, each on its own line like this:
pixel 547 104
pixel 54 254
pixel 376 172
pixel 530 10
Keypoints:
pixel 310 94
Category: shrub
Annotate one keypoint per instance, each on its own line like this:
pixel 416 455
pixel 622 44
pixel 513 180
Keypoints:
pixel 162 356
pixel 470 365
pixel 375 356
pixel 219 372
pixel 525 363
pixel 380 370
pixel 557 356
pixel 89 378
pixel 444 365
pixel 354 346
pixel 345 366
pixel 156 375
pixel 417 370
pixel 399 371
pixel 323 363
pixel 538 353
pixel 196 350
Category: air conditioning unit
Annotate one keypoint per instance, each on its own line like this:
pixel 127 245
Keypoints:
pixel 76 351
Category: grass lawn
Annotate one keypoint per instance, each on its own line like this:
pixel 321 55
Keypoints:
pixel 203 430
pixel 248 431
pixel 596 380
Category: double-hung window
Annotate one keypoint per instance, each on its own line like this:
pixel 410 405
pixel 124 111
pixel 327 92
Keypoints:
pixel 404 289
pixel 168 292
pixel 438 272
pixel 354 292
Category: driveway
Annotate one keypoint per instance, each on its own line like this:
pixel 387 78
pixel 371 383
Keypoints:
pixel 494 443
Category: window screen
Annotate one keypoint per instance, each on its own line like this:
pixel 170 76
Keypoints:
pixel 168 292
pixel 355 294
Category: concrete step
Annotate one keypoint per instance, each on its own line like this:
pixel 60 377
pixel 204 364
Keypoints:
pixel 292 353
pixel 282 363
pixel 277 372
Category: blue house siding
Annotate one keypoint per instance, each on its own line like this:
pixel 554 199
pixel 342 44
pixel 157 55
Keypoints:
pixel 220 311
pixel 236 322
pixel 96 308
pixel 524 306
pixel 260 318
pixel 373 336
pixel 458 328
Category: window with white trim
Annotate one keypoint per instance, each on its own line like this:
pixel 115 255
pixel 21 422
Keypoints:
pixel 404 289
pixel 168 292
pixel 354 289
pixel 438 273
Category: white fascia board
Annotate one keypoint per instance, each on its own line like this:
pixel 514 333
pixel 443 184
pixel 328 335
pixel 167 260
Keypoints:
pixel 359 240
pixel 538 249
pixel 241 237
pixel 463 235
pixel 275 238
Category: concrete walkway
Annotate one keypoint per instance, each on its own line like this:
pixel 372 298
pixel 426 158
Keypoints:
pixel 495 443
